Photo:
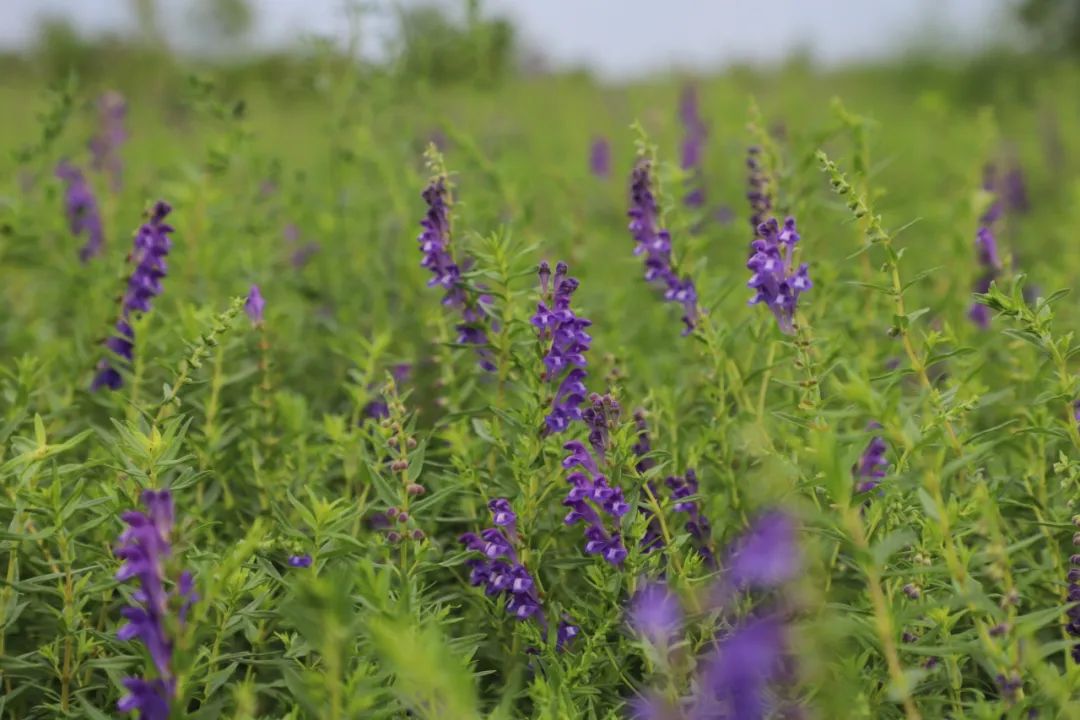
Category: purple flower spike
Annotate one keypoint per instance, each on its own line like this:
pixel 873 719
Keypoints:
pixel 144 547
pixel 655 244
pixel 152 244
pixel 767 555
pixel 564 336
pixel 775 282
pixel 693 144
pixel 105 146
pixel 81 208
pixel 434 242
pixel 986 248
pixel 655 613
pixel 600 158
pixel 757 193
pixel 872 465
pixel 683 488
pixel 254 306
pixel 1073 596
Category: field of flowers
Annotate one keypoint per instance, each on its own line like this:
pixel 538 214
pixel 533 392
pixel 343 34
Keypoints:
pixel 691 399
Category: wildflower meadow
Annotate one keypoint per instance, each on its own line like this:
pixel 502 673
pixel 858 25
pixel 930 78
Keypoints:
pixel 334 392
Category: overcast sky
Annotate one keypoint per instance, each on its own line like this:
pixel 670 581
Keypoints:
pixel 615 37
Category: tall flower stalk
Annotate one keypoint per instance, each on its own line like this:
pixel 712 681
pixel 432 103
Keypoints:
pixel 145 547
pixel 111 135
pixel 693 145
pixel 654 243
pixel 986 248
pixel 81 208
pixel 564 340
pixel 152 244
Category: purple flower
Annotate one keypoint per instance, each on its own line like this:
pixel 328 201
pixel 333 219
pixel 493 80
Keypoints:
pixel 152 244
pixel 766 555
pixel 600 157
pixel 105 146
pixel 502 574
pixel 682 489
pixel 591 496
pixel 83 215
pixel 694 136
pixel 655 613
pixel 1073 597
pixel 757 192
pixel 737 675
pixel 986 249
pixel 144 548
pixel 872 465
pixel 300 561
pixel 434 241
pixel 655 244
pixel 301 254
pixel 774 280
pixel 654 536
pixel 378 408
pixel 564 335
pixel 254 306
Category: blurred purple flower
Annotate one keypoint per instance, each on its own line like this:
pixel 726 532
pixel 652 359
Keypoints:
pixel 872 465
pixel 656 614
pixel 300 561
pixel 1073 595
pixel 694 135
pixel 81 208
pixel 254 306
pixel 655 244
pixel 737 675
pixel 775 282
pixel 766 555
pixel 152 244
pixel 111 135
pixel 564 336
pixel 986 248
pixel 600 157
pixel 757 192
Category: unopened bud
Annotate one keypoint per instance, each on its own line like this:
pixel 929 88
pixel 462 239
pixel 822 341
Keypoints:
pixel 415 489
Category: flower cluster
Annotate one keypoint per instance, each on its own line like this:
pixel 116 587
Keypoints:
pixel 600 158
pixel 567 341
pixel 591 495
pixel 1073 627
pixel 255 306
pixel 757 191
pixel 152 244
pixel 144 547
pixel 105 146
pixel 872 465
pixel 655 244
pixel 774 280
pixel 434 242
pixel 81 209
pixel 986 249
pixel 735 676
pixel 502 574
pixel 682 491
pixel 693 144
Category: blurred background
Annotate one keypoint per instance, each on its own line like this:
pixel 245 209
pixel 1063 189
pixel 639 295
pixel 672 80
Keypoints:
pixel 455 41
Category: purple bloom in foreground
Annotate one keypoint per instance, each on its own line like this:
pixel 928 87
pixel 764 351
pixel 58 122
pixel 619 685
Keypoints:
pixel 300 561
pixel 872 465
pixel 655 244
pixel 434 241
pixel 737 675
pixel 152 244
pixel 766 555
pixel 83 215
pixel 656 614
pixel 775 282
pixel 600 157
pixel 144 547
pixel 565 336
pixel 254 306
pixel 105 146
